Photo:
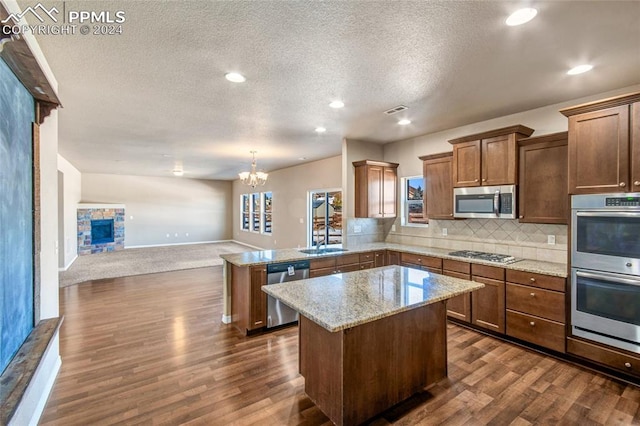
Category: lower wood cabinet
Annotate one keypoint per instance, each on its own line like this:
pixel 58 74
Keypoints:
pixel 488 303
pixel 334 265
pixel 458 307
pixel 248 301
pixel 626 362
pixel 433 264
pixel 393 257
pixel 536 309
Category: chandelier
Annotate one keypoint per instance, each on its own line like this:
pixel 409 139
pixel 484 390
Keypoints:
pixel 253 178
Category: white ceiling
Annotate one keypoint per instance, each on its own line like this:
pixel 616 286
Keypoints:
pixel 140 102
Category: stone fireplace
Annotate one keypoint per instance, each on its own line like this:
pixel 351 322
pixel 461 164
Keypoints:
pixel 100 228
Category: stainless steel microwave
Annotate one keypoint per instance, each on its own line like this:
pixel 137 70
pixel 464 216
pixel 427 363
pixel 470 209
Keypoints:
pixel 486 202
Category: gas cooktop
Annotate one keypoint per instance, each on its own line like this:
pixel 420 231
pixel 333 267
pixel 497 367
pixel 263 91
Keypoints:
pixel 490 257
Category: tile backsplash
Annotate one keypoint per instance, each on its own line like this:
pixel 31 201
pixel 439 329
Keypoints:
pixel 523 240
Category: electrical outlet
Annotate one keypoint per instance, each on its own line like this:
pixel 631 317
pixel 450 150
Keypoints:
pixel 186 234
pixel 168 235
pixel 445 232
pixel 551 239
pixel 176 235
pixel 301 220
pixel 357 229
pixel 393 228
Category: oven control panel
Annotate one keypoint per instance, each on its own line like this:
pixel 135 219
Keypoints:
pixel 622 202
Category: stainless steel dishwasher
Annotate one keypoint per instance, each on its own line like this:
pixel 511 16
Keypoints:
pixel 277 312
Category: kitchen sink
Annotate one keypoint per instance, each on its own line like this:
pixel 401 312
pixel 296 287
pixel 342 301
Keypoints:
pixel 325 250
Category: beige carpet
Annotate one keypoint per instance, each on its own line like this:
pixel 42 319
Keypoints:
pixel 149 260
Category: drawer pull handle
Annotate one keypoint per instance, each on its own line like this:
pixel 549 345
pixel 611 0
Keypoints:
pixel 627 364
pixel 533 280
pixel 533 295
pixel 637 183
pixel 532 324
pixel 622 184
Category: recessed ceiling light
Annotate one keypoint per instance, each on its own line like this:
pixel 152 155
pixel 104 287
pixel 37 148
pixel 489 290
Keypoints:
pixel 235 77
pixel 336 104
pixel 521 16
pixel 302 158
pixel 167 155
pixel 178 172
pixel 320 129
pixel 404 122
pixel 580 69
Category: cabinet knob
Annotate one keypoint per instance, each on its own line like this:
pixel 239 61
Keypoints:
pixel 622 184
pixel 533 280
pixel 475 180
pixel 532 324
pixel 627 364
pixel 451 214
pixel 533 295
pixel 377 255
pixel 484 180
pixel 637 183
pixel 520 217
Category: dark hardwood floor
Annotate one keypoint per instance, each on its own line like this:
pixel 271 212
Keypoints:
pixel 151 349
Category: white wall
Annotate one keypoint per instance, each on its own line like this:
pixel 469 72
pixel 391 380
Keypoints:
pixel 188 210
pixel 290 188
pixel 71 196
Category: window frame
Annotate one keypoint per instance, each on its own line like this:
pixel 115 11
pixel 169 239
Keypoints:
pixel 255 197
pixel 244 205
pixel 404 182
pixel 264 212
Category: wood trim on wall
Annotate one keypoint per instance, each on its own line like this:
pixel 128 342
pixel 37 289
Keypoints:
pixel 37 234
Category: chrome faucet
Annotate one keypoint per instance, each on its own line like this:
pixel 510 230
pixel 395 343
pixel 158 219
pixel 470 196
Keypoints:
pixel 322 243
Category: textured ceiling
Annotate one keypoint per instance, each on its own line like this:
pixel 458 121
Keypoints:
pixel 140 102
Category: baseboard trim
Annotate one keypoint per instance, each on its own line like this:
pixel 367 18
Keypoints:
pixel 69 265
pixel 226 319
pixel 177 244
pixel 245 244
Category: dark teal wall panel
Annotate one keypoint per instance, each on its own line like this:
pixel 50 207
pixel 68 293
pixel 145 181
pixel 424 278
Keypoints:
pixel 16 217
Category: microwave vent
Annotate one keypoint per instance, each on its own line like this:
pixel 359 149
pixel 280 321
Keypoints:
pixel 395 110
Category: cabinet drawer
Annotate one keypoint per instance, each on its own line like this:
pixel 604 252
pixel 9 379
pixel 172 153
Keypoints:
pixel 367 265
pixel 348 268
pixel 434 270
pixel 456 266
pixel 367 257
pixel 529 328
pixel 347 259
pixel 535 301
pixel 321 272
pixel 612 358
pixel 324 262
pixel 457 275
pixel 537 280
pixel 418 259
pixel 487 271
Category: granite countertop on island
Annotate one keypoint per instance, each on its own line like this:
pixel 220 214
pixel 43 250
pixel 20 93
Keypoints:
pixel 287 255
pixel 341 301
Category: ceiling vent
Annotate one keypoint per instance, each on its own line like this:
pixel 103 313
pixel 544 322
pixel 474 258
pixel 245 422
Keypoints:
pixel 395 109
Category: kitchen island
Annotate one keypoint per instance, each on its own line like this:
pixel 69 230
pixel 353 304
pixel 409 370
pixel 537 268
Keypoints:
pixel 370 339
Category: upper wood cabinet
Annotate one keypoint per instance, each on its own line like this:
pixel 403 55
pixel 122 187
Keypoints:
pixel 543 194
pixel 375 188
pixel 437 170
pixel 604 145
pixel 488 158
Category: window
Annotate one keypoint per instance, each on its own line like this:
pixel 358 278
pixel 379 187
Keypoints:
pixel 412 201
pixel 325 218
pixel 255 212
pixel 267 198
pixel 244 214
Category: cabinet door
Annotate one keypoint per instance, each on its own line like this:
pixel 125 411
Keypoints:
pixel 635 147
pixel 499 160
pixel 599 151
pixel 439 188
pixel 466 164
pixel 487 305
pixel 379 259
pixel 543 196
pixel 459 307
pixel 258 302
pixel 390 182
pixel 393 257
pixel 375 177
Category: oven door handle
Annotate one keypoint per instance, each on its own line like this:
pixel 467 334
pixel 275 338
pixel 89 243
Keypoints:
pixel 609 278
pixel 496 203
pixel 617 214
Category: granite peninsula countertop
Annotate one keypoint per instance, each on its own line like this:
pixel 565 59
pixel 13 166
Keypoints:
pixel 341 301
pixel 287 255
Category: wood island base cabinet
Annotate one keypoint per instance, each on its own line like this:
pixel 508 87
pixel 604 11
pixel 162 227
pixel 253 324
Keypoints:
pixel 357 373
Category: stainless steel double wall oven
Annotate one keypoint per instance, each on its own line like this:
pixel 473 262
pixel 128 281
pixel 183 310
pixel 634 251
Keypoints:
pixel 605 269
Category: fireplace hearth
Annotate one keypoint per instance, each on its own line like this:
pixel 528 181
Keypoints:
pixel 100 228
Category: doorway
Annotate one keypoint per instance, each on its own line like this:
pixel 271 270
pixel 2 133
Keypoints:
pixel 325 218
